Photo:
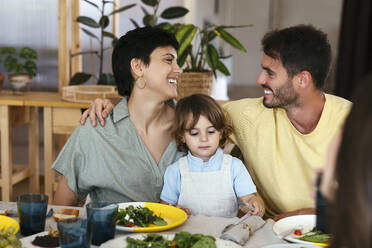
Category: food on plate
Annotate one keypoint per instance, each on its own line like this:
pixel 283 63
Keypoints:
pixel 4 212
pixel 66 214
pixel 180 240
pixel 53 233
pixel 138 216
pixel 297 232
pixel 8 239
pixel 46 241
pixel 315 236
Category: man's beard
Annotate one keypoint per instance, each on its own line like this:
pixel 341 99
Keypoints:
pixel 282 97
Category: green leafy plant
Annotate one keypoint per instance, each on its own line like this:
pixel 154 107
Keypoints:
pixel 197 53
pixel 151 19
pixel 101 24
pixel 19 61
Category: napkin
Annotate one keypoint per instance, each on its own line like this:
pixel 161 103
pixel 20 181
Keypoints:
pixel 241 232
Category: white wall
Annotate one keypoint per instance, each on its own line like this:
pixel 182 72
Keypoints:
pixel 322 14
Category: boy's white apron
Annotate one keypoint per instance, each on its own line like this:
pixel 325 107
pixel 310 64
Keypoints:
pixel 208 193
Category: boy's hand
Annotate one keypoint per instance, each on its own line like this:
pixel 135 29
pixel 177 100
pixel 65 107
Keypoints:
pixel 184 209
pixel 98 108
pixel 177 206
pixel 254 201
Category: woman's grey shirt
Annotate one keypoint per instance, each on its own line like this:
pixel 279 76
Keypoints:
pixel 112 163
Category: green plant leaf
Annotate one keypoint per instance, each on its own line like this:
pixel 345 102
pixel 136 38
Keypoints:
pixel 211 35
pixel 185 35
pixel 27 53
pixel 91 3
pixel 88 21
pixel 226 36
pixel 79 78
pixel 150 20
pixel 31 67
pixel 122 9
pixel 7 50
pixel 222 68
pixel 166 26
pixel 89 33
pixel 10 63
pixel 106 79
pixel 108 2
pixel 134 22
pixel 108 34
pixel 182 58
pixel 152 3
pixel 104 22
pixel 174 12
pixel 145 11
pixel 211 56
pixel 225 57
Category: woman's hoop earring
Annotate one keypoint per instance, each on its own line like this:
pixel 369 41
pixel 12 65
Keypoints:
pixel 141 83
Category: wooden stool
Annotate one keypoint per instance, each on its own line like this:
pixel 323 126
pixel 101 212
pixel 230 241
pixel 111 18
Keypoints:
pixel 12 116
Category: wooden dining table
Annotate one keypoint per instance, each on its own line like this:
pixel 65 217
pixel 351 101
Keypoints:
pixel 206 225
pixel 60 118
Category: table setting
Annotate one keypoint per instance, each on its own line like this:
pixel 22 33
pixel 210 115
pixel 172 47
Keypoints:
pixel 96 225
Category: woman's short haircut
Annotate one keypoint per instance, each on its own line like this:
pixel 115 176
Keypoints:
pixel 139 44
pixel 188 112
pixel 300 48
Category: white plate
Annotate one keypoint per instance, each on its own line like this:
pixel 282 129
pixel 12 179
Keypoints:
pixel 27 241
pixel 290 246
pixel 306 221
pixel 121 241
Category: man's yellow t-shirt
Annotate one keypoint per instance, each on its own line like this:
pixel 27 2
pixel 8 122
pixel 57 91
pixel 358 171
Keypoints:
pixel 281 160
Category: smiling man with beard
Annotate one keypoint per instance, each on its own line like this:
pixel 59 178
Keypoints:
pixel 284 135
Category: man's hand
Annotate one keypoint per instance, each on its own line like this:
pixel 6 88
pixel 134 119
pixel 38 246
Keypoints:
pixel 98 108
pixel 295 212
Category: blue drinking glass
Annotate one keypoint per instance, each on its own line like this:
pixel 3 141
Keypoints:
pixel 101 221
pixel 74 233
pixel 32 210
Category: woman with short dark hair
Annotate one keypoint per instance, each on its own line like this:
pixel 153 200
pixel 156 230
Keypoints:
pixel 125 160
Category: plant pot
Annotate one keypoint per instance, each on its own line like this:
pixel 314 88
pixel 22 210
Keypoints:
pixel 1 81
pixel 194 82
pixel 20 83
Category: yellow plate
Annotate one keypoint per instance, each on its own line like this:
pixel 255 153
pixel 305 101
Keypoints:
pixel 6 222
pixel 172 215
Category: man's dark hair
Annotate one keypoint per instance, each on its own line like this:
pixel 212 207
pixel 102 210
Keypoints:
pixel 300 48
pixel 138 43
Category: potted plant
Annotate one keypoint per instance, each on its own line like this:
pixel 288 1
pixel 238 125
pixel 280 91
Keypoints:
pixel 101 25
pixel 20 65
pixel 199 57
pixel 196 54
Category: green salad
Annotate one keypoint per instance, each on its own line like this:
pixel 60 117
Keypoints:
pixel 138 216
pixel 180 240
pixel 316 236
